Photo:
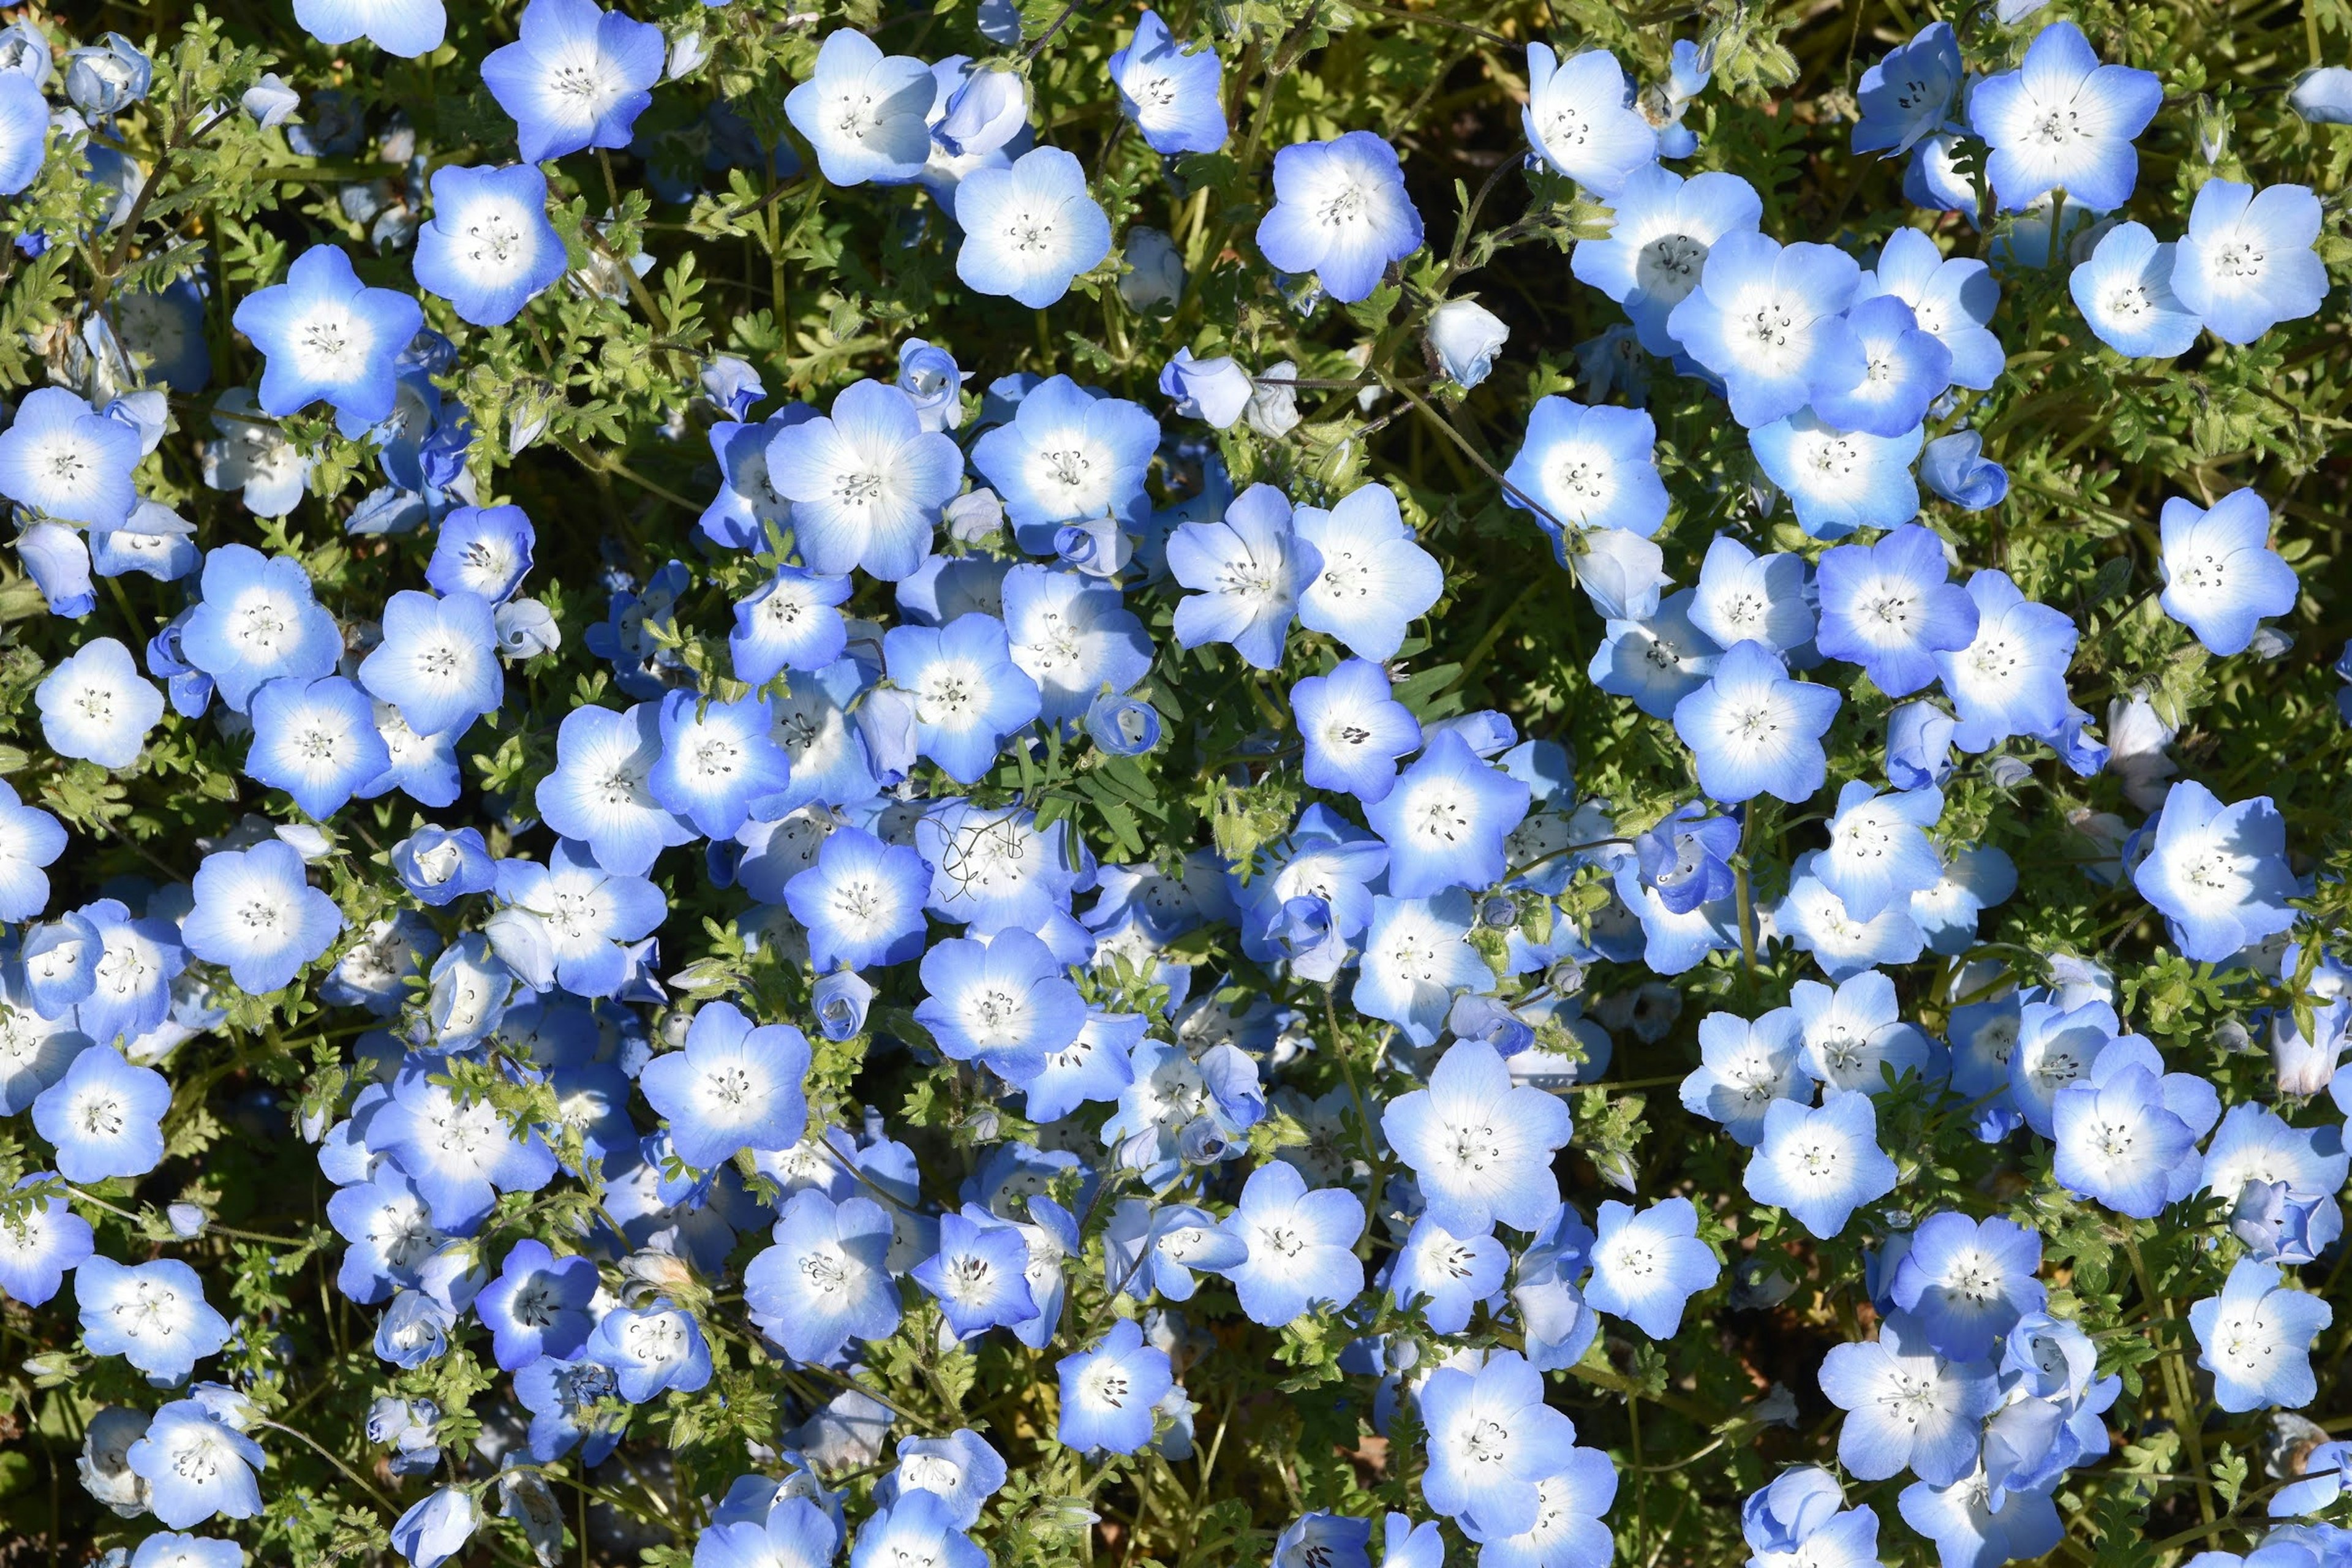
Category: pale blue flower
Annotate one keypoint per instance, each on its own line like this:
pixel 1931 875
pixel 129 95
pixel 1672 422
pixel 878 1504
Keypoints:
pixel 576 77
pixel 1340 212
pixel 1031 229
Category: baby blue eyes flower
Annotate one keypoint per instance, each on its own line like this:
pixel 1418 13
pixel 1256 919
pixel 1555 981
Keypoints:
pixel 1907 1406
pixel 1905 96
pixel 2062 120
pixel 2221 575
pixel 1445 820
pixel 1466 336
pixel 1480 1145
pixel 1956 469
pixel 316 739
pixel 1171 93
pixel 1373 578
pixel 104 1116
pixel 1769 323
pixel 792 623
pixel 1579 118
pixel 2323 95
pixel 1588 468
pixel 24 131
pixel 1072 635
pixel 1249 570
pixel 1445 1275
pixel 1492 1439
pixel 988 109
pixel 1952 300
pixel 1821 1163
pixel 861 902
pixel 2255 1339
pixel 1213 391
pixel 405 27
pixel 1006 1002
pixel 107 77
pixel 2218 873
pixel 65 462
pixel 437 662
pixel 1855 1035
pixel 96 705
pixel 1753 731
pixel 1352 730
pixel 867 483
pixel 1031 229
pixel 538 1306
pixel 1068 456
pixel 257 915
pixel 969 697
pixel 489 248
pixel 1341 213
pixel 2010 678
pixel 1299 1246
pixel 576 77
pixel 1878 853
pixel 601 792
pixel 978 1276
pixel 1664 227
pixel 867 113
pixel 1109 1392
pixel 733 1086
pixel 1647 1265
pixel 1905 369
pixel 2121 1141
pixel 1745 1069
pixel 2125 294
pixel 1839 480
pixel 323 334
pixel 436 1529
pixel 716 759
pixel 196 1468
pixel 153 1315
pixel 2247 263
pixel 1966 1282
pixel 823 1281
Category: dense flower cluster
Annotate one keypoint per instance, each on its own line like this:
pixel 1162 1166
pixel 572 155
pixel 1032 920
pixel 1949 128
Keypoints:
pixel 898 988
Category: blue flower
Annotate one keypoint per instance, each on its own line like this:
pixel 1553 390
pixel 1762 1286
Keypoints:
pixel 316 739
pixel 2125 292
pixel 1568 1533
pixel 979 1276
pixel 2010 678
pixel 436 1529
pixel 257 915
pixel 1905 369
pixel 1031 229
pixel 867 113
pixel 1753 729
pixel 1471 1108
pixel 793 622
pixel 437 662
pixel 45 1243
pixel 1068 456
pixel 961 1469
pixel 65 462
pixel 2218 873
pixel 993 867
pixel 1579 118
pixel 489 248
pixel 134 973
pixel 2247 263
pixel 1249 570
pixel 1352 730
pixel 1839 480
pixel 570 921
pixel 1814 920
pixel 104 1117
pixel 1005 1003
pixel 2221 575
pixel 538 1306
pixel 1745 1067
pixel 1662 229
pixel 601 791
pixel 1966 1282
pixel 1878 852
pixel 153 1315
pixel 95 706
pixel 1952 300
pixel 1686 859
pixel 1588 468
pixel 1466 337
pixel 1417 957
pixel 867 483
pixel 1332 1541
pixel 1300 1246
pixel 575 76
pixel 1374 578
pixel 1956 469
pixel 2062 120
pixel 107 77
pixel 1968 1526
pixel 1905 96
pixel 969 696
pixel 1109 1391
pixel 1646 1265
pixel 1854 1034
pixel 1445 1276
pixel 1907 1405
pixel 2119 1143
pixel 1340 212
pixel 2255 1339
pixel 733 1086
pixel 1820 1162
pixel 1769 323
pixel 167 1550
pixel 1072 635
pixel 861 902
pixel 1445 819
pixel 196 1468
pixel 1492 1439
pixel 24 131
pixel 717 758
pixel 1171 93
pixel 651 1350
pixel 324 334
pixel 258 622
pixel 405 27
pixel 1656 660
